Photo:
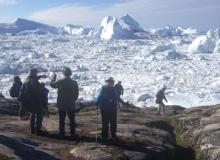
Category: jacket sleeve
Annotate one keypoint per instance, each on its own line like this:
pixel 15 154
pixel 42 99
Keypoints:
pixel 54 83
pixel 164 97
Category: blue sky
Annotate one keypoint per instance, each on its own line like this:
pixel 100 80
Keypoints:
pixel 201 14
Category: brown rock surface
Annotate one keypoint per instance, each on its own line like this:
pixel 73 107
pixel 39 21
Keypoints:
pixel 143 135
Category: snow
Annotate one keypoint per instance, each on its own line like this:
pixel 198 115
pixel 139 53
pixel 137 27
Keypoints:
pixel 174 55
pixel 162 47
pixel 142 64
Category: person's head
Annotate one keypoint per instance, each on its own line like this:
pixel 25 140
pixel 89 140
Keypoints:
pixel 67 72
pixel 17 79
pixel 119 82
pixel 42 84
pixel 110 81
pixel 33 72
pixel 164 88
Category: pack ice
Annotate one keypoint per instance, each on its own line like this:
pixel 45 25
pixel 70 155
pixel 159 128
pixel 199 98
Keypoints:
pixel 144 60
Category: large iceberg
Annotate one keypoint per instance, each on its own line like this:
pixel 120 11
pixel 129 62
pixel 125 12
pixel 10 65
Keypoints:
pixel 124 28
pixel 128 23
pixel 208 43
pixel 217 47
pixel 202 44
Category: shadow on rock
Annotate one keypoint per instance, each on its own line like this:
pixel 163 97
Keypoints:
pixel 25 150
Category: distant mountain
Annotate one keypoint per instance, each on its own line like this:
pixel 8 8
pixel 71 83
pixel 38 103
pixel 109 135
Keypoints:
pixel 24 26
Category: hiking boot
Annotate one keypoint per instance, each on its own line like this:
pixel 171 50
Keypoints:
pixel 104 140
pixel 74 137
pixel 41 133
pixel 114 138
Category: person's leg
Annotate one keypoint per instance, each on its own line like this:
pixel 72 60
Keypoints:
pixel 159 109
pixel 163 106
pixel 113 122
pixel 62 116
pixel 32 123
pixel 104 125
pixel 39 121
pixel 71 115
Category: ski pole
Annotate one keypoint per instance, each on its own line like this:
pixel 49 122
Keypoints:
pixel 96 138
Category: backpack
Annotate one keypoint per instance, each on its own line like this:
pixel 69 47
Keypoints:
pixel 109 97
pixel 13 92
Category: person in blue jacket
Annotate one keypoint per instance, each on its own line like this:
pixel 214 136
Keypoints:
pixel 108 101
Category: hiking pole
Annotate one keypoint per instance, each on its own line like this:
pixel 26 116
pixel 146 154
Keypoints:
pixel 97 113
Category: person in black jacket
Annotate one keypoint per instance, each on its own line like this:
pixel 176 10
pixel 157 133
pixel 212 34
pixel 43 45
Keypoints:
pixel 32 99
pixel 68 93
pixel 16 87
pixel 108 101
pixel 160 96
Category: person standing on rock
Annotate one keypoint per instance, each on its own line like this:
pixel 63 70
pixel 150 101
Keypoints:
pixel 14 93
pixel 68 92
pixel 16 87
pixel 31 98
pixel 160 96
pixel 108 101
pixel 119 89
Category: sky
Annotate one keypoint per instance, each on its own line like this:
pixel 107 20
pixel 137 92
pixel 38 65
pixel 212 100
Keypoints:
pixel 200 14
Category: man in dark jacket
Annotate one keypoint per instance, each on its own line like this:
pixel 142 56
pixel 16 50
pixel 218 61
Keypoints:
pixel 108 101
pixel 31 97
pixel 160 96
pixel 68 93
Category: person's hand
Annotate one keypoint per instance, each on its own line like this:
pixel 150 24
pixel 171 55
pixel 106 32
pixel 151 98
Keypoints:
pixel 54 77
pixel 44 76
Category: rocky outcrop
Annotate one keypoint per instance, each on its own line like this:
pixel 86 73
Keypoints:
pixel 142 135
pixel 201 127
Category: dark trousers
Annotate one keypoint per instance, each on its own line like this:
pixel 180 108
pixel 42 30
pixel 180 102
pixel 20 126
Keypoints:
pixel 71 116
pixel 36 122
pixel 109 118
pixel 23 111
